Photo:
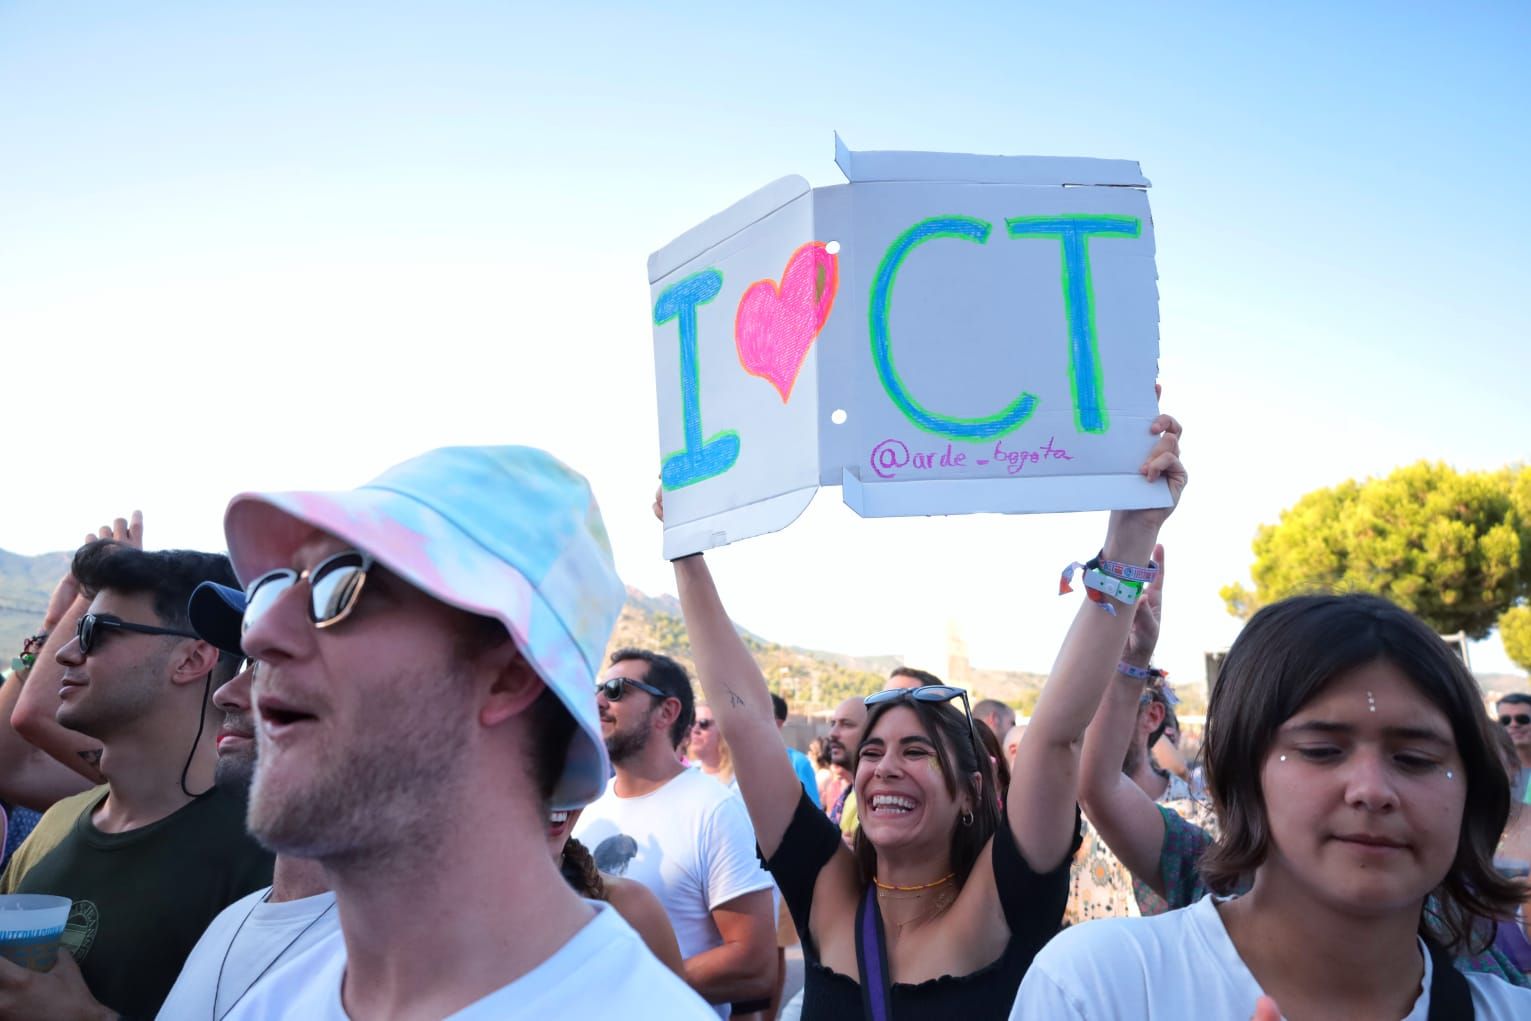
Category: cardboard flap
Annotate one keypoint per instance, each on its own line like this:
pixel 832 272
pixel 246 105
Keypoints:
pixel 1054 171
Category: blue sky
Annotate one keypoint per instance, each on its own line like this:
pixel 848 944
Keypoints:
pixel 287 247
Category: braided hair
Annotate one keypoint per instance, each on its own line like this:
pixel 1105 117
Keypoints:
pixel 579 871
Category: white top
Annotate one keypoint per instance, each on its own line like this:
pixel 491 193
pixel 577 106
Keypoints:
pixel 690 842
pixel 249 939
pixel 604 964
pixel 1182 964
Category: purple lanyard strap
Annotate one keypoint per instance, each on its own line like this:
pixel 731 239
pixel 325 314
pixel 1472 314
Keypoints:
pixel 871 950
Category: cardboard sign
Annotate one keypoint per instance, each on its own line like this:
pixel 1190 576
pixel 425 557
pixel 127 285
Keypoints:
pixel 943 334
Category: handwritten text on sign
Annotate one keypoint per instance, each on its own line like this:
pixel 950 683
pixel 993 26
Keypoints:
pixel 892 458
pixel 776 324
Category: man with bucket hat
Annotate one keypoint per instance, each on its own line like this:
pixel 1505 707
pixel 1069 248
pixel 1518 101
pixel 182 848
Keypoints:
pixel 426 645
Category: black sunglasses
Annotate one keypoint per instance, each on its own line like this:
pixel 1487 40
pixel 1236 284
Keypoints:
pixel 928 693
pixel 611 687
pixel 334 586
pixel 1520 718
pixel 88 632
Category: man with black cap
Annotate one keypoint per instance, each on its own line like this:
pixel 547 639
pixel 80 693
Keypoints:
pixel 259 933
pixel 422 701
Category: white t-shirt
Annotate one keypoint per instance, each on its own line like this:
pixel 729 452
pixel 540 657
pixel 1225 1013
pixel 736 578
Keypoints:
pixel 249 939
pixel 690 842
pixel 605 967
pixel 1183 965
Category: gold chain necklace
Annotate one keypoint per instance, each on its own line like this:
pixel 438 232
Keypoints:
pixel 911 889
pixel 939 903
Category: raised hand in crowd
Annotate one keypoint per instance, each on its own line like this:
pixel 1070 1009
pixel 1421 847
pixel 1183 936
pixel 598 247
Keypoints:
pixel 1043 813
pixel 1124 814
pixel 34 716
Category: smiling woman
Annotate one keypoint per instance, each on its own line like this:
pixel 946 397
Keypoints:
pixel 947 896
pixel 1355 777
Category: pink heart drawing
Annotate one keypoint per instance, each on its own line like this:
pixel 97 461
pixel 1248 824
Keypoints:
pixel 775 326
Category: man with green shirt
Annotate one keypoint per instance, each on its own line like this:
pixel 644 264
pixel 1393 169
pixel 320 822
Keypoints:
pixel 153 857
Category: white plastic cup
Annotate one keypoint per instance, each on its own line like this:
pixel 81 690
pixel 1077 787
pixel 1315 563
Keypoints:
pixel 30 927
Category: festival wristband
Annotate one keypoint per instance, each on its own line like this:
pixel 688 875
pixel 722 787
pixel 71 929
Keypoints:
pixel 1100 587
pixel 1142 673
pixel 1127 572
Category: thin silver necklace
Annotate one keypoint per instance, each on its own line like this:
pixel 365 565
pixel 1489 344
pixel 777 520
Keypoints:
pixel 228 949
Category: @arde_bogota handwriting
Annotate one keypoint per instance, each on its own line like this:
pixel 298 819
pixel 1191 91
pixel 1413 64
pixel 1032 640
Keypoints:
pixel 890 457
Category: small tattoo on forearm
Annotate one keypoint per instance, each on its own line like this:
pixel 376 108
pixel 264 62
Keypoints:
pixel 734 700
pixel 92 758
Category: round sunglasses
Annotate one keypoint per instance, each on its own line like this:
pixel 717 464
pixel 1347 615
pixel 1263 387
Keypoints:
pixel 334 586
pixel 93 627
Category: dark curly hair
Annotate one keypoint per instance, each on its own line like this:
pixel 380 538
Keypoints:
pixel 169 576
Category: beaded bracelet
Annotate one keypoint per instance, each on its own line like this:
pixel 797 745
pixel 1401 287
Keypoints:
pixel 29 650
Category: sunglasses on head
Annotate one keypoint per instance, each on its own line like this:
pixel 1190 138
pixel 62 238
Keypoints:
pixel 612 687
pixel 927 693
pixel 1521 718
pixel 92 627
pixel 334 586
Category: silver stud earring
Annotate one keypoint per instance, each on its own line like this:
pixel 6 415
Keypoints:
pixel 1283 758
pixel 1450 775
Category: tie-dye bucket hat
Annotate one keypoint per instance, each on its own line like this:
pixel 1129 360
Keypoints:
pixel 505 532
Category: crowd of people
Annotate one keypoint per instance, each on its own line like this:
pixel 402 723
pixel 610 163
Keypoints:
pixel 376 763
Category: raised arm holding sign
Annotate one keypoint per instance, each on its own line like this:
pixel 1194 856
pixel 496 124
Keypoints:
pixel 940 882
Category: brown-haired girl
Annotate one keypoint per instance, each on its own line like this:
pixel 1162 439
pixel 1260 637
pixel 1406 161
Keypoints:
pixel 1352 768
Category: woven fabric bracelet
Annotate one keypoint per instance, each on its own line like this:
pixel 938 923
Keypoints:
pixel 1127 572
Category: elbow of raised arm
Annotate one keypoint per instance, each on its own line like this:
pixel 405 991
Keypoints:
pixel 27 722
pixel 1096 782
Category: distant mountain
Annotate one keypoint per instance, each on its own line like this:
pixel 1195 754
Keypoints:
pixel 25 585
pixel 810 679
